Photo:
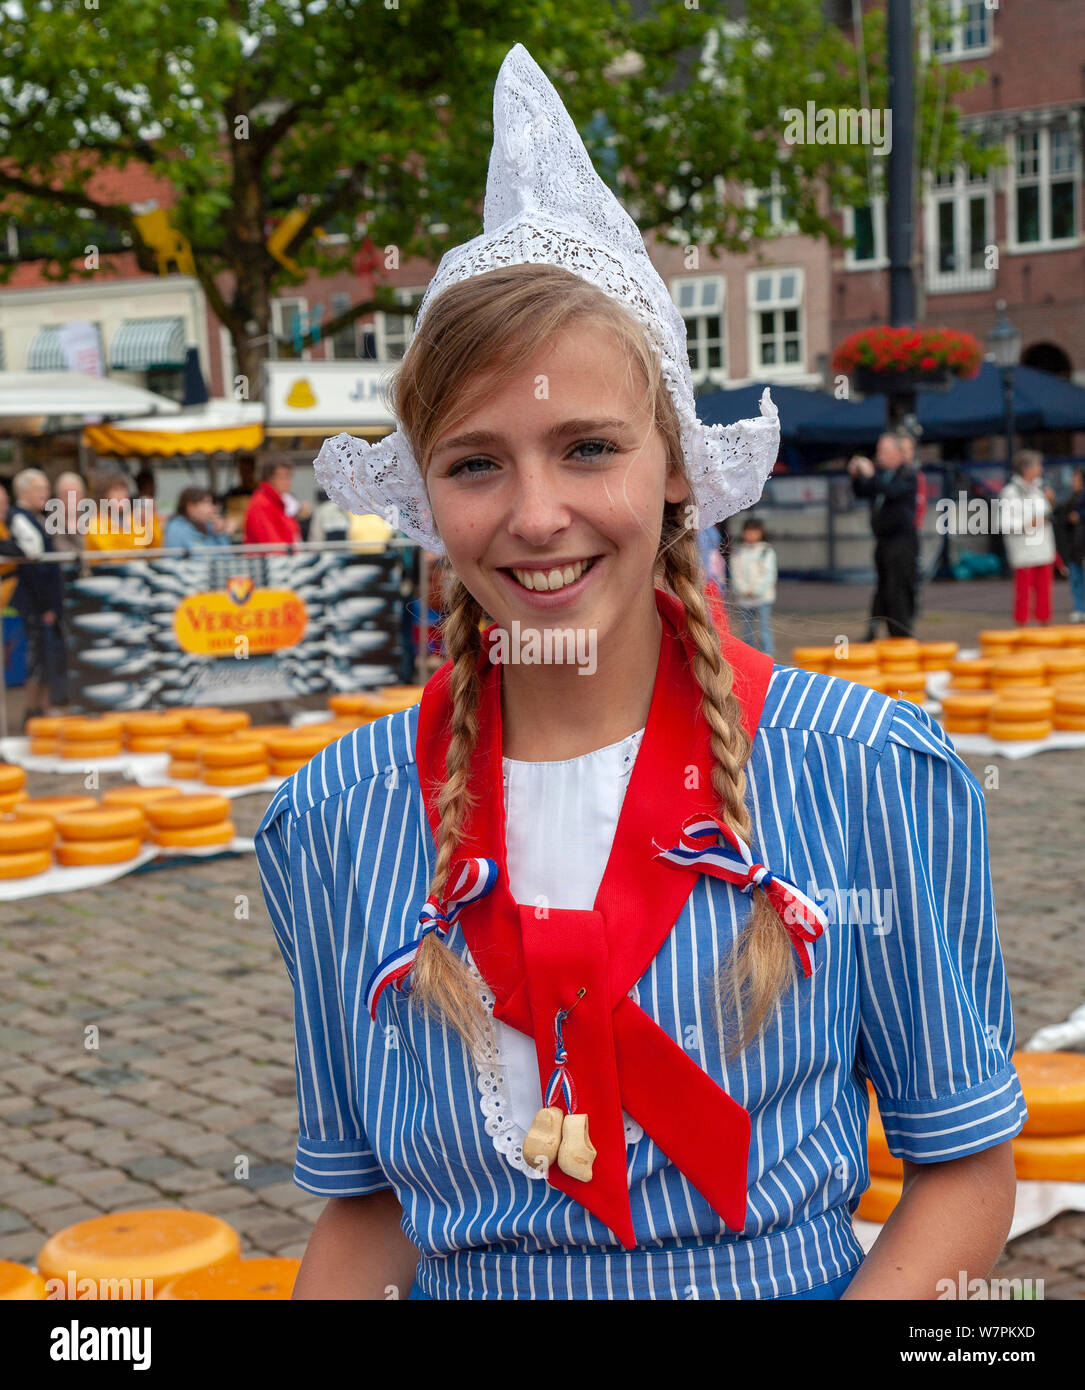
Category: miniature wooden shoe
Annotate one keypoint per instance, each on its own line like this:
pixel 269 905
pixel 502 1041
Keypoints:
pixel 543 1140
pixel 576 1155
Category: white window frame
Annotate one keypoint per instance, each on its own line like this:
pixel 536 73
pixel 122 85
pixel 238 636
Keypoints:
pixel 880 258
pixel 701 313
pixel 757 368
pixel 280 319
pixel 961 193
pixel 405 295
pixel 329 341
pixel 1044 180
pixel 957 52
pixel 779 225
pixel 228 358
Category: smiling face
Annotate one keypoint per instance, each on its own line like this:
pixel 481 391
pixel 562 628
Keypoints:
pixel 550 509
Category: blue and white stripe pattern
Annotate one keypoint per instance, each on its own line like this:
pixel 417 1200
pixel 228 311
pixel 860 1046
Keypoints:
pixel 858 799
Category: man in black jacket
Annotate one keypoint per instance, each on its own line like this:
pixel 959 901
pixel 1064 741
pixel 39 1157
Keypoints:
pixel 891 488
pixel 39 595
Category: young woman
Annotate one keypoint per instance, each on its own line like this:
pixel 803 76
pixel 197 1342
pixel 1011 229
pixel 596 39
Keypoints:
pixel 560 1034
pixel 197 523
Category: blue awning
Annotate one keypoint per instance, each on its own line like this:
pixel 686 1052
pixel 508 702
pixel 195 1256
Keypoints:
pixel 142 343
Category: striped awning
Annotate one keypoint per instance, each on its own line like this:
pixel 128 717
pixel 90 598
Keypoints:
pixel 46 353
pixel 142 343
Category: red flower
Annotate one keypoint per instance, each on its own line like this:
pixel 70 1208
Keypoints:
pixel 928 363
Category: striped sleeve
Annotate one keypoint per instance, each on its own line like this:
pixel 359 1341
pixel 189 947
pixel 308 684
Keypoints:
pixel 333 1157
pixel 936 1026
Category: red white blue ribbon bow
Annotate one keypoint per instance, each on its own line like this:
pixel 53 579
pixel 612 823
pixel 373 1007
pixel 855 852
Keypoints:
pixel 714 848
pixel 468 880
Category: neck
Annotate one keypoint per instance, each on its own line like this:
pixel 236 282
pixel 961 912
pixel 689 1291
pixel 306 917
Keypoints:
pixel 551 712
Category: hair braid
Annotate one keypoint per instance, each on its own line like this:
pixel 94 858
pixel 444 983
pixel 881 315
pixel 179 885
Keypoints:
pixel 762 964
pixel 441 981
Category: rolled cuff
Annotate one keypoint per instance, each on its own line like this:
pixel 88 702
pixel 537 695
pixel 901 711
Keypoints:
pixel 338 1168
pixel 949 1127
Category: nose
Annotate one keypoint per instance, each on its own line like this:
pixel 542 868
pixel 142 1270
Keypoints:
pixel 537 509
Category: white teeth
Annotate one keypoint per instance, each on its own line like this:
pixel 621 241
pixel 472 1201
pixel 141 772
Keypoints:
pixel 549 580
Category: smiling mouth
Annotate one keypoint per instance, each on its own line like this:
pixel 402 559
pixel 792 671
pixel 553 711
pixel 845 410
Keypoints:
pixel 546 581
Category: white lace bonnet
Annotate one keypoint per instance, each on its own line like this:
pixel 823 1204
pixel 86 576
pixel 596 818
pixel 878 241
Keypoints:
pixel 546 204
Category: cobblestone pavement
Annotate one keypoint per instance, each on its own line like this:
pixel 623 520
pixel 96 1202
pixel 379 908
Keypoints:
pixel 178 970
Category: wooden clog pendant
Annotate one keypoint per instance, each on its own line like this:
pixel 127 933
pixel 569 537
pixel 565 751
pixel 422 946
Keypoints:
pixel 543 1140
pixel 576 1154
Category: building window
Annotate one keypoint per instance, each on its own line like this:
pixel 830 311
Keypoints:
pixel 969 33
pixel 290 321
pixel 959 230
pixel 777 203
pixel 865 227
pixel 776 334
pixel 393 331
pixel 344 344
pixel 700 302
pixel 1046 186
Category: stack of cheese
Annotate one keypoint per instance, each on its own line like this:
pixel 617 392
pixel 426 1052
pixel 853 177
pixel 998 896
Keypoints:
pixel 187 820
pixel 231 762
pixel 25 843
pixel 87 739
pixel 1051 1147
pixel 42 731
pixel 206 728
pixel 152 731
pixel 363 706
pixel 1028 682
pixel 139 797
pixel 897 666
pixel 104 835
pixel 291 750
pixel 12 787
pixel 886 1171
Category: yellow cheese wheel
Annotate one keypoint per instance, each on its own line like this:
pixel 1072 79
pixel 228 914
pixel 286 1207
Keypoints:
pixel 43 726
pixel 971 666
pixel 913 683
pixel 410 694
pixel 1019 729
pixel 878 1201
pixel 1070 700
pixel 19 835
pixel 1050 1158
pixel 880 1160
pixel 236 776
pixel 1070 723
pixel 997 653
pixel 43 747
pixel 146 723
pixel 73 853
pixel 1028 637
pixel 898 649
pixel 959 683
pixel 149 743
pixel 1054 1088
pixel 355 702
pixel 187 809
pixel 196 836
pixel 302 743
pixel 231 752
pixel 965 723
pixel 182 770
pixel 263 732
pixel 855 654
pixel 1073 634
pixel 217 721
pixel 1013 667
pixel 18 1282
pixel 187 747
pixel 154 1243
pixel 53 806
pixel 9 803
pixel 937 655
pixel 999 636
pixel 136 796
pixel 86 750
pixel 286 767
pixel 91 730
pixel 263 1277
pixel 969 704
pixel 12 779
pixel 1019 705
pixel 103 823
pixel 25 863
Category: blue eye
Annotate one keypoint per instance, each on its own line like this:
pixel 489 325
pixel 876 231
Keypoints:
pixel 604 445
pixel 466 464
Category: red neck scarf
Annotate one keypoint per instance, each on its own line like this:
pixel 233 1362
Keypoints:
pixel 618 1056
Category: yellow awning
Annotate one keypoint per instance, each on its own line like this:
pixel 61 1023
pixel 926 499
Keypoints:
pixel 116 440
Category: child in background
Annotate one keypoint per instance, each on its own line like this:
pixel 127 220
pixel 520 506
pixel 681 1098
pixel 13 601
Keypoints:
pixel 753 583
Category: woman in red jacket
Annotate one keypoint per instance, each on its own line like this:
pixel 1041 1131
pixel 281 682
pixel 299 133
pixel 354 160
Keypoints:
pixel 266 520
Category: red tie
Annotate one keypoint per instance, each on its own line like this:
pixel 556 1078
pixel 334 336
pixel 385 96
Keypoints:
pixel 535 964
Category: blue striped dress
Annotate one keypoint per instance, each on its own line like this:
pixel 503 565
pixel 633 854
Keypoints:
pixel 857 798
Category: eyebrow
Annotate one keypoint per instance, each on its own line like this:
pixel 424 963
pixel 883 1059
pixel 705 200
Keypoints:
pixel 475 439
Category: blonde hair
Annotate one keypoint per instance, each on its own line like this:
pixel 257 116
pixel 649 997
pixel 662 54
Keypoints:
pixel 492 323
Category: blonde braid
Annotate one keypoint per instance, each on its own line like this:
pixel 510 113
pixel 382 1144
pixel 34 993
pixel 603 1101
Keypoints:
pixel 441 982
pixel 762 964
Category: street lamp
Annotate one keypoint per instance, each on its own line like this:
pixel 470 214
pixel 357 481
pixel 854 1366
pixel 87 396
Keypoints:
pixel 1004 349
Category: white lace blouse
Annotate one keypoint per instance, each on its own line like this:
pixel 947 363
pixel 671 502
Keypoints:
pixel 560 818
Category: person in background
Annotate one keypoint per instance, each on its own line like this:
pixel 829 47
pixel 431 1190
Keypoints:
pixel 891 490
pixel 70 491
pixel 236 500
pixel 145 490
pixel 8 547
pixel 1025 510
pixel 753 584
pixel 370 531
pixel 330 522
pixel 710 543
pixel 39 595
pixel 1071 516
pixel 197 522
pixel 267 519
pixel 112 525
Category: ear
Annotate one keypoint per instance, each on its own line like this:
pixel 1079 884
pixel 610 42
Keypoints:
pixel 676 487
